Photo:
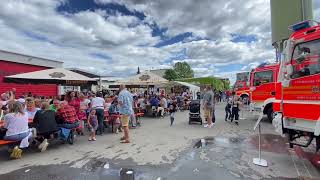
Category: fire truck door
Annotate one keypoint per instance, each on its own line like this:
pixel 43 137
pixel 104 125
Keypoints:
pixel 301 99
pixel 263 82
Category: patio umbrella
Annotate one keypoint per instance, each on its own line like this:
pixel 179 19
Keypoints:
pixel 51 76
pixel 145 79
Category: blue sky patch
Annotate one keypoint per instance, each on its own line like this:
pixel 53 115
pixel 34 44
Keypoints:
pixel 101 56
pixel 230 67
pixel 179 55
pixel 243 38
pixel 37 37
pixel 75 6
pixel 184 38
pixel 175 39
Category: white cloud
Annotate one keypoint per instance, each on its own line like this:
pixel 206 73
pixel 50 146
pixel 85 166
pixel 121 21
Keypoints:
pixel 73 38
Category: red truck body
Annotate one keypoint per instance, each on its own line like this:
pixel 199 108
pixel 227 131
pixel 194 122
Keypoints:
pixel 298 88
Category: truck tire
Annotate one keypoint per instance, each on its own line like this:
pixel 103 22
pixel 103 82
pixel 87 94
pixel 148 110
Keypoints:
pixel 270 114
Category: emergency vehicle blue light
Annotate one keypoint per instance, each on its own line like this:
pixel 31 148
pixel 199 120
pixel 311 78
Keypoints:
pixel 300 26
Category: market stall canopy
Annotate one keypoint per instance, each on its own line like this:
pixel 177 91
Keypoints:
pixel 51 76
pixel 192 88
pixel 144 78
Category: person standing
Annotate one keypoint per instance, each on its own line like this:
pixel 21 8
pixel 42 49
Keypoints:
pixel 235 109
pixel 93 125
pixel 172 110
pixel 98 103
pixel 125 107
pixel 228 109
pixel 208 105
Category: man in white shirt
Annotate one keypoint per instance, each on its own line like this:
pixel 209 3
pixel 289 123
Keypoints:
pixel 98 104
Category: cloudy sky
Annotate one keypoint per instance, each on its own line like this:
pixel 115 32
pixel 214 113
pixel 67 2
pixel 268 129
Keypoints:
pixel 114 37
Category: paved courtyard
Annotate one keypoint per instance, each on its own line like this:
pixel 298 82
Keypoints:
pixel 161 152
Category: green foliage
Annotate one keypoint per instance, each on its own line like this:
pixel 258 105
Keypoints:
pixel 219 84
pixel 170 75
pixel 183 70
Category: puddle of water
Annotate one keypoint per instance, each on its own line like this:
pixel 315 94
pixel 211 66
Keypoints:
pixel 270 143
pixel 218 141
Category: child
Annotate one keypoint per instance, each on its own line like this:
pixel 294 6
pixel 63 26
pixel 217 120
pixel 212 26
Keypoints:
pixel 172 110
pixel 93 125
pixel 235 110
pixel 113 111
pixel 228 109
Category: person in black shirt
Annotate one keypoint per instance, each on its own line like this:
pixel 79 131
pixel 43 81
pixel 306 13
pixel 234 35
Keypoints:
pixel 45 123
pixel 172 110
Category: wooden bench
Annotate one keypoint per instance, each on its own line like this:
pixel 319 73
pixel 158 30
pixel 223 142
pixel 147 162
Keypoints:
pixel 4 142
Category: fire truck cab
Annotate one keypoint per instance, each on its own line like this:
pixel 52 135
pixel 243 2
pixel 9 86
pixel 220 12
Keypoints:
pixel 298 86
pixel 241 86
pixel 263 89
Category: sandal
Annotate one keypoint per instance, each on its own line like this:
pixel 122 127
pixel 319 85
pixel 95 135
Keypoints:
pixel 125 141
pixel 89 139
pixel 122 139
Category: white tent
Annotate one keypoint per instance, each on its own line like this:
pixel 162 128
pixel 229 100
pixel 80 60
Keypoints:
pixel 50 76
pixel 192 88
pixel 144 78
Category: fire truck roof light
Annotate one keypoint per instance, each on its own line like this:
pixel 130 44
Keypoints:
pixel 302 25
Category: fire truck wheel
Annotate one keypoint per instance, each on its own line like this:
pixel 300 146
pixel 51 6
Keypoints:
pixel 270 114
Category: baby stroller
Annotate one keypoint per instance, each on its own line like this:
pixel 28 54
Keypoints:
pixel 194 114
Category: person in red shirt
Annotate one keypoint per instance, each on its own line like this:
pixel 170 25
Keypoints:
pixel 67 116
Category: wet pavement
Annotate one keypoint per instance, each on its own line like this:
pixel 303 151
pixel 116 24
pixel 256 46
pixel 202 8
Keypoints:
pixel 159 152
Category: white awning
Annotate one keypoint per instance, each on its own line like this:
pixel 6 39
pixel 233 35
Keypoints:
pixel 192 88
pixel 55 75
pixel 145 78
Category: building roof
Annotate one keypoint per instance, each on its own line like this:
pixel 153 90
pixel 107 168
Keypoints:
pixel 26 59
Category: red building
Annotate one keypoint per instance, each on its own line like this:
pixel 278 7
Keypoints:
pixel 13 63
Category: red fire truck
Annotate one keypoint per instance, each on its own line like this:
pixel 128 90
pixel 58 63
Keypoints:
pixel 241 86
pixel 298 88
pixel 263 87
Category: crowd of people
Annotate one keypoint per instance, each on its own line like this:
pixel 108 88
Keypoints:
pixel 94 112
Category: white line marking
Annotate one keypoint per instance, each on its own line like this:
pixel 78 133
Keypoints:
pixel 294 163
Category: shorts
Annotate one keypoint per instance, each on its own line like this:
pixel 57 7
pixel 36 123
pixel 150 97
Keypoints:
pixel 208 113
pixel 125 120
pixel 94 128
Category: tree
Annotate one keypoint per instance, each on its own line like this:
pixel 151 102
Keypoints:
pixel 170 74
pixel 183 70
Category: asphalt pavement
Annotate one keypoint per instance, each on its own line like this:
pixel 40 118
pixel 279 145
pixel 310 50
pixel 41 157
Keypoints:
pixel 161 152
